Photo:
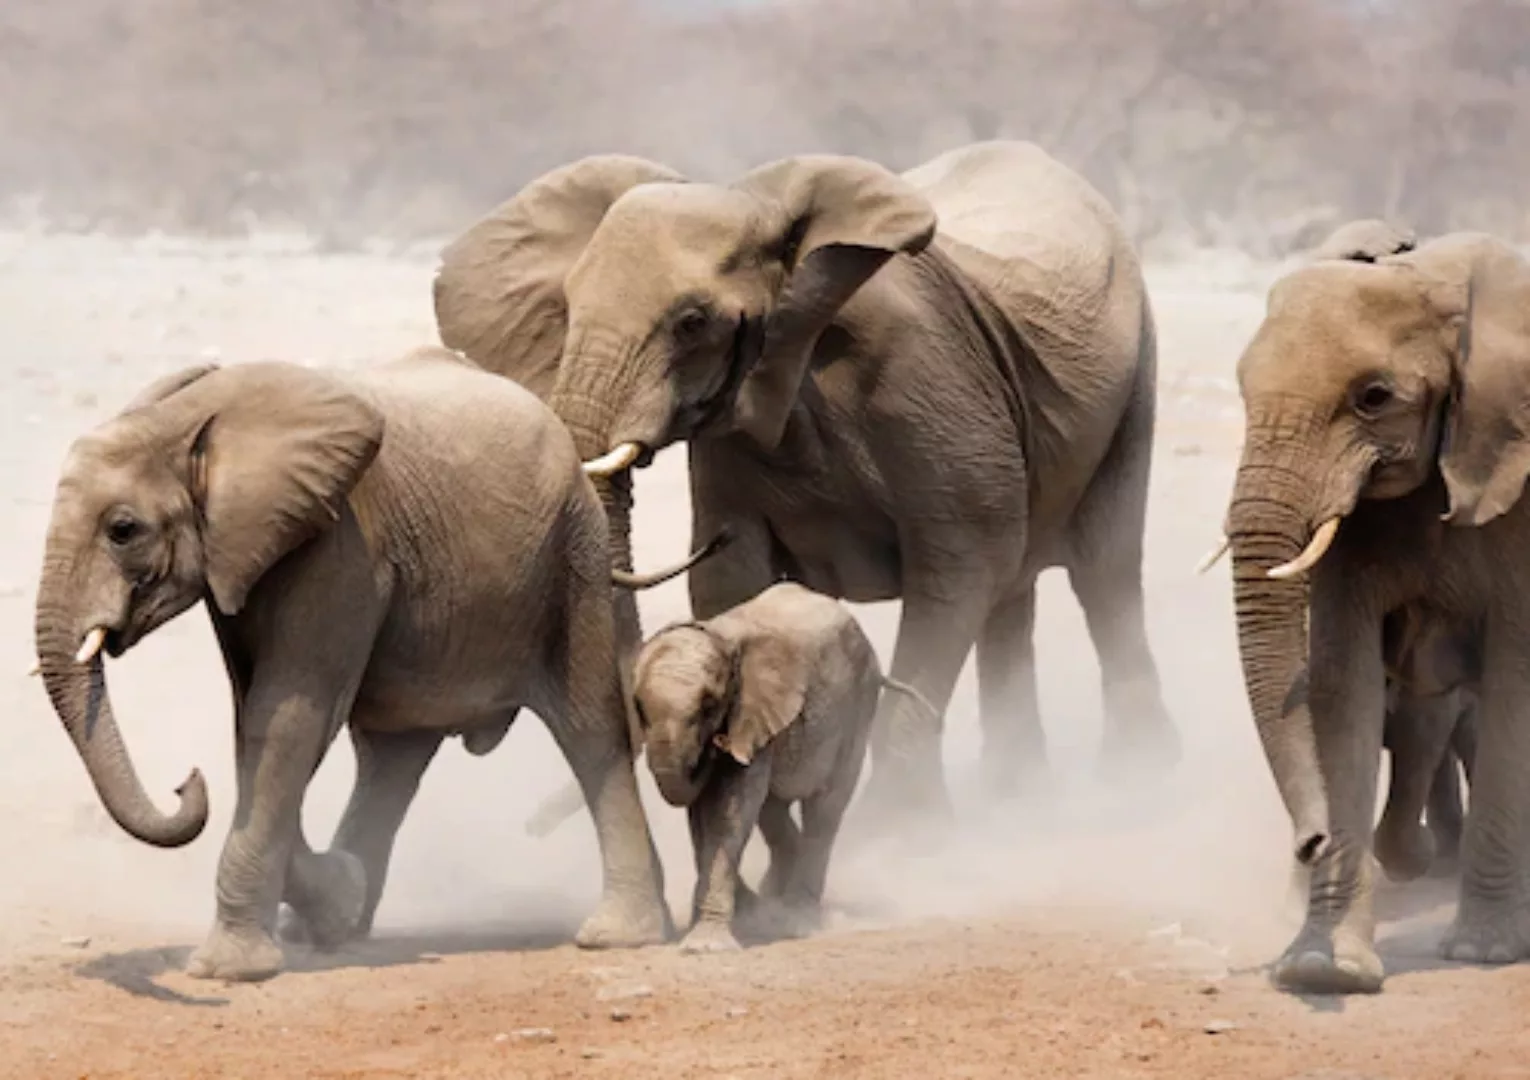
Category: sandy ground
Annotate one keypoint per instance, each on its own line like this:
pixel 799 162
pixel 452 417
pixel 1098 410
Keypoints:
pixel 1098 934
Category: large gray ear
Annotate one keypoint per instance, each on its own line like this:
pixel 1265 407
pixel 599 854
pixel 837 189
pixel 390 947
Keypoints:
pixel 1485 449
pixel 842 218
pixel 166 385
pixel 276 450
pixel 772 690
pixel 1366 240
pixel 499 290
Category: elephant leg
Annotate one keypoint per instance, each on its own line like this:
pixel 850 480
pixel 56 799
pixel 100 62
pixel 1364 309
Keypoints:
pixel 1487 928
pixel 1009 700
pixel 1104 563
pixel 722 817
pixel 936 631
pixel 1419 730
pixel 784 841
pixel 1446 817
pixel 327 904
pixel 822 815
pixel 283 728
pixel 1335 952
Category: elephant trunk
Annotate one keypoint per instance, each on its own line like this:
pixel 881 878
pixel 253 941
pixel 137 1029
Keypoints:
pixel 1269 525
pixel 79 696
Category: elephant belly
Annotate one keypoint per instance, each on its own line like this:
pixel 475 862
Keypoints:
pixel 855 560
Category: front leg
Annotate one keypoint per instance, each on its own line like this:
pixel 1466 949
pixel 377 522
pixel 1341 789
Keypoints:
pixel 1335 950
pixel 1489 919
pixel 1419 730
pixel 722 817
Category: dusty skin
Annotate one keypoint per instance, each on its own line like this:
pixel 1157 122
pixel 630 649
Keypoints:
pixel 1099 933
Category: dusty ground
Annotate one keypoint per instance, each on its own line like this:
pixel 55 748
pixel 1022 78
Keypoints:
pixel 1098 934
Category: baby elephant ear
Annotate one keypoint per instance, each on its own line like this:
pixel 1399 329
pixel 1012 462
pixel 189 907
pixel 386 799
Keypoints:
pixel 1485 451
pixel 772 690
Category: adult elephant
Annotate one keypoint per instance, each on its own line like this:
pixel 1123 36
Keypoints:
pixel 410 551
pixel 879 407
pixel 1386 449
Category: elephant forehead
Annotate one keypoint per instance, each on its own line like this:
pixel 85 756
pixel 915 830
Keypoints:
pixel 708 222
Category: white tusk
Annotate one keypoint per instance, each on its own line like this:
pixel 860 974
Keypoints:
pixel 1314 551
pixel 92 645
pixel 36 669
pixel 614 462
pixel 1214 556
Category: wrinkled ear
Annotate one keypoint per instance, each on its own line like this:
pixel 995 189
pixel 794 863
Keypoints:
pixel 499 289
pixel 841 219
pixel 1366 240
pixel 276 450
pixel 166 385
pixel 1485 448
pixel 772 689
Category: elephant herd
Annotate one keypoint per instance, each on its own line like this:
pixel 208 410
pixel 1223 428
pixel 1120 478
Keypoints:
pixel 928 386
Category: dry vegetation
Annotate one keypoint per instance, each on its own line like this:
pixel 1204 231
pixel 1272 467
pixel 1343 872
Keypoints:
pixel 1233 122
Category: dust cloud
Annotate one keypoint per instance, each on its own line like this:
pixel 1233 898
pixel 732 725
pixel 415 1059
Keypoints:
pixel 224 185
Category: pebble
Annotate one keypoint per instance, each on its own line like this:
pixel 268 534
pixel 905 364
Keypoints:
pixel 736 1011
pixel 623 993
pixel 75 942
pixel 532 1035
pixel 1220 1027
pixel 589 1053
pixel 620 1014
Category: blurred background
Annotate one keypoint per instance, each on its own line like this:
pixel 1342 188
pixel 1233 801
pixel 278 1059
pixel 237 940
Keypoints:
pixel 1247 124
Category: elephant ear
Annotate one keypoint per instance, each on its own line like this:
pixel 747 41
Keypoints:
pixel 273 459
pixel 1485 449
pixel 772 689
pixel 498 292
pixel 1366 240
pixel 842 218
pixel 166 385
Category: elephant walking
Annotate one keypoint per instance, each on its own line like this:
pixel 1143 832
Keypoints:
pixel 1387 408
pixel 411 551
pixel 929 387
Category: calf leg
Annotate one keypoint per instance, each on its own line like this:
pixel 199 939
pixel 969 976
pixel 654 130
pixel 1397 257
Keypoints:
pixel 721 819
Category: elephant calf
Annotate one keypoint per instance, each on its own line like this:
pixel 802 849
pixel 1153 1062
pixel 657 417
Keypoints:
pixel 767 704
pixel 411 551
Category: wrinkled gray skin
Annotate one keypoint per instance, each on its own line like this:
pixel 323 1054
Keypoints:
pixel 928 386
pixel 411 551
pixel 1389 398
pixel 746 713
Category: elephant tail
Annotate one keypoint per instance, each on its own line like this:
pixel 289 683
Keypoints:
pixel 923 702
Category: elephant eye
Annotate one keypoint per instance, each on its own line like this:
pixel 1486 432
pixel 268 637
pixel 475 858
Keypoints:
pixel 691 324
pixel 122 529
pixel 1372 398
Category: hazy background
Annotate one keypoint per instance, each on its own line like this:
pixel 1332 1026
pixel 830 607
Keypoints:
pixel 1252 124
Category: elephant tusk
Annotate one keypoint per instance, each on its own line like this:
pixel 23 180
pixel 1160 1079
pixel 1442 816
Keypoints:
pixel 1214 556
pixel 35 670
pixel 615 461
pixel 91 645
pixel 1314 551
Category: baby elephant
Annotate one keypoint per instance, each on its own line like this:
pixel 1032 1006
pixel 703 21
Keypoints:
pixel 767 704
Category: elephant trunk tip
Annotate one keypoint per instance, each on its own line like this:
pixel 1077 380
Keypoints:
pixel 1311 846
pixel 181 828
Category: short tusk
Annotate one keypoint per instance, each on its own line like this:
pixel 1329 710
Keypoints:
pixel 1214 556
pixel 614 462
pixel 91 646
pixel 1314 551
pixel 36 669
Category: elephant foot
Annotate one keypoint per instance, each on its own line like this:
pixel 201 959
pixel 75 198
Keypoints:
pixel 1488 938
pixel 621 923
pixel 1343 963
pixel 326 904
pixel 1405 854
pixel 709 936
pixel 236 956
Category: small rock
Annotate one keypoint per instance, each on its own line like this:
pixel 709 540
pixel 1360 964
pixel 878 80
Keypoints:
pixel 1220 1027
pixel 1152 1023
pixel 75 942
pixel 620 1014
pixel 532 1035
pixel 589 1053
pixel 736 1011
pixel 624 993
pixel 1211 990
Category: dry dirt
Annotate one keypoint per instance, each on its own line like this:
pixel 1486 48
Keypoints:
pixel 1095 933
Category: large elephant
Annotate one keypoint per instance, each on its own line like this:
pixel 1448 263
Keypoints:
pixel 1387 445
pixel 411 550
pixel 928 386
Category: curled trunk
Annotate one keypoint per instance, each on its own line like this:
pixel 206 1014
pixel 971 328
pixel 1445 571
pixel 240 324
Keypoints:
pixel 1269 525
pixel 79 696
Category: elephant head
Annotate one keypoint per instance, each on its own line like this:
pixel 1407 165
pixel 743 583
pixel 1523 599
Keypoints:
pixel 648 310
pixel 700 693
pixel 196 489
pixel 1366 380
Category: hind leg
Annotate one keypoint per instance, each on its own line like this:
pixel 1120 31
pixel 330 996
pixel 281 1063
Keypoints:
pixel 1014 742
pixel 335 895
